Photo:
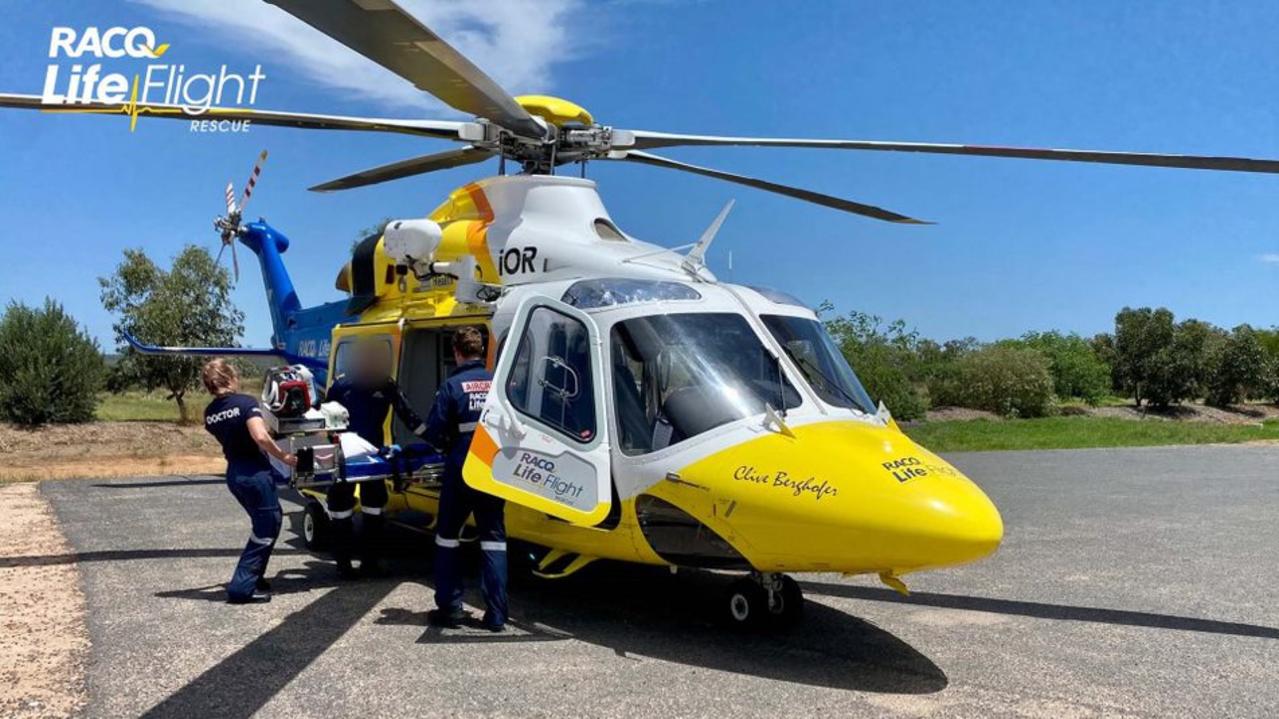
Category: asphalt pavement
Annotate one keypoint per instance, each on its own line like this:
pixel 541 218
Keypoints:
pixel 1137 582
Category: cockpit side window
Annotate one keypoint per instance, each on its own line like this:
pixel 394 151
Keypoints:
pixel 676 376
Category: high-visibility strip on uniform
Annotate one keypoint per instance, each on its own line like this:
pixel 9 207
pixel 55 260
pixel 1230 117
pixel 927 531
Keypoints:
pixel 260 540
pixel 420 430
pixel 493 546
pixel 447 543
pixel 344 514
pixel 374 511
pixel 465 427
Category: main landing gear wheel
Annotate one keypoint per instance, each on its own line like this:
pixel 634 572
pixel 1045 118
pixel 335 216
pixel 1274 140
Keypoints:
pixel 769 600
pixel 316 529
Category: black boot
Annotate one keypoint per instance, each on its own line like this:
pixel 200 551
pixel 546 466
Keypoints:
pixel 371 546
pixel 343 538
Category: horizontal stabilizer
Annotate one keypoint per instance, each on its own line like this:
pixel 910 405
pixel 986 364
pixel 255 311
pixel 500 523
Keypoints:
pixel 146 349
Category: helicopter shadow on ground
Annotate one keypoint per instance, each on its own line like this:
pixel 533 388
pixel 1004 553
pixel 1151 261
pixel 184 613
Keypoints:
pixel 637 612
pixel 647 613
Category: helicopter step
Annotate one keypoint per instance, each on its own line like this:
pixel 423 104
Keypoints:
pixel 764 600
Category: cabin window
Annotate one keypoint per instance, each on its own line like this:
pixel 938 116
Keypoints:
pixel 676 376
pixel 345 354
pixel 613 291
pixel 551 379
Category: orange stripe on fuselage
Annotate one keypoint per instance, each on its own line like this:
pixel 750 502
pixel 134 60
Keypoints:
pixel 477 235
pixel 483 446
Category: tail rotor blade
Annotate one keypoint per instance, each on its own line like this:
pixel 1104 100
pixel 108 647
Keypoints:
pixel 221 249
pixel 253 180
pixel 230 199
pixel 235 261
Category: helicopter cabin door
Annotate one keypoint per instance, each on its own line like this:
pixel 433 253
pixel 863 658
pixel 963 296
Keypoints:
pixel 542 440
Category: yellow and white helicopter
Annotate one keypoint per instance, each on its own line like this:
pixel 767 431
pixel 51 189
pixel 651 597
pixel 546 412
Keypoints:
pixel 643 411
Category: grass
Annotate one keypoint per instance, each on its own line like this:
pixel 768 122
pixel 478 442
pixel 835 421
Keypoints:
pixel 1081 432
pixel 137 406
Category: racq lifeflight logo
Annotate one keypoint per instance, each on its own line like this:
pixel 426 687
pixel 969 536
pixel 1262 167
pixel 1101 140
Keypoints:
pixel 157 88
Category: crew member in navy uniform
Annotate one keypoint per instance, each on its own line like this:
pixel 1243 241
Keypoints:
pixel 450 426
pixel 368 394
pixel 236 421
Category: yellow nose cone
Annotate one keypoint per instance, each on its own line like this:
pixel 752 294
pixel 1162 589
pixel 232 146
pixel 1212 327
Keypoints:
pixel 840 496
pixel 555 110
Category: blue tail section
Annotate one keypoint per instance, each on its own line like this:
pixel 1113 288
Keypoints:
pixel 281 297
pixel 298 333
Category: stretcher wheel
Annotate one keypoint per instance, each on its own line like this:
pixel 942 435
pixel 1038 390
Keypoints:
pixel 317 531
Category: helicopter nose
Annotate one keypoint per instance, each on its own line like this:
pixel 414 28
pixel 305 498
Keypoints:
pixel 952 521
pixel 839 496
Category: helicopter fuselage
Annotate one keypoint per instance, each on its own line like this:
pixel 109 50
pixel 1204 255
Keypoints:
pixel 696 423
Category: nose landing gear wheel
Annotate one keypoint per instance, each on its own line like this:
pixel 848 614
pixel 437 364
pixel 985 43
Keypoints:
pixel 764 601
pixel 747 604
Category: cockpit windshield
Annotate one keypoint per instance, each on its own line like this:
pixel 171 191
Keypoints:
pixel 823 365
pixel 676 376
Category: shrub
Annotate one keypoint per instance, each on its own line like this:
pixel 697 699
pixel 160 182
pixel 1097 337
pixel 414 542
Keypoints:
pixel 50 369
pixel 1008 380
pixel 1076 369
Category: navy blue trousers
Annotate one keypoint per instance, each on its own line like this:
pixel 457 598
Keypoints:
pixel 457 502
pixel 254 489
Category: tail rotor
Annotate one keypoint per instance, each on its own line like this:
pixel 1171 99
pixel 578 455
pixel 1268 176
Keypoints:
pixel 229 225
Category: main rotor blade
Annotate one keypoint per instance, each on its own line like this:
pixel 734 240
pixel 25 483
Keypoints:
pixel 443 129
pixel 407 168
pixel 646 139
pixel 837 203
pixel 383 32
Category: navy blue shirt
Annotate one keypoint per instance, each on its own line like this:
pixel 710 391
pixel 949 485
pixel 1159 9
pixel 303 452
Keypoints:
pixel 456 412
pixel 227 419
pixel 367 405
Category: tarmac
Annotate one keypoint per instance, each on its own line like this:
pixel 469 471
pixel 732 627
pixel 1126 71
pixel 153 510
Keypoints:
pixel 1137 582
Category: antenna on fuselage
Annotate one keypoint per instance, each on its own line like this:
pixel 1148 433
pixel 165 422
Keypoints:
pixel 695 260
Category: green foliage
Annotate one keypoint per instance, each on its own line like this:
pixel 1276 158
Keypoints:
pixel 883 357
pixel 1076 369
pixel 1008 380
pixel 1238 369
pixel 50 369
pixel 189 304
pixel 1160 362
pixel 1077 432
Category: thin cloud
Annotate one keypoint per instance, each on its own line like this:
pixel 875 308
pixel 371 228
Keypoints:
pixel 516 42
pixel 1270 258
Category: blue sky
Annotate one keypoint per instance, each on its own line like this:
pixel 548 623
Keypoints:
pixel 1019 245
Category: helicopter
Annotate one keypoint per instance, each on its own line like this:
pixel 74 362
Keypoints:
pixel 642 410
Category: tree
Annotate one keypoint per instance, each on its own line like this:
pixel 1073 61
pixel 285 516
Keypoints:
pixel 189 304
pixel 1238 369
pixel 883 357
pixel 1076 369
pixel 50 369
pixel 1143 338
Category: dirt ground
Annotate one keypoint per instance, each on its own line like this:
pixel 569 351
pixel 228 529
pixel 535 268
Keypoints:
pixel 107 449
pixel 42 611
